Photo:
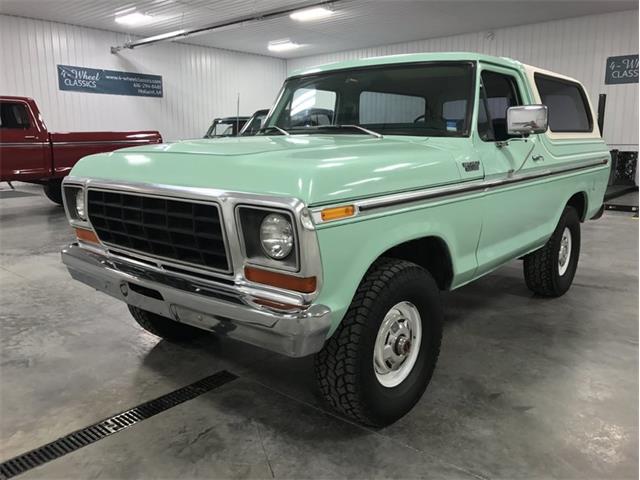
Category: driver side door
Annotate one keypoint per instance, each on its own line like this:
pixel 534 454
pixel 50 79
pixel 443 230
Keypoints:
pixel 23 146
pixel 513 207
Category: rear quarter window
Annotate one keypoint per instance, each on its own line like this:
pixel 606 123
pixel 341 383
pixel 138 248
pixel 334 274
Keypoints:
pixel 567 103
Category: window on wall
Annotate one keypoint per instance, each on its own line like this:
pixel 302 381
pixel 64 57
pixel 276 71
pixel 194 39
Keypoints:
pixel 498 92
pixel 567 104
pixel 14 115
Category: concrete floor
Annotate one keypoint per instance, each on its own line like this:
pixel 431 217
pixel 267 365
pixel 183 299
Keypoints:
pixel 525 387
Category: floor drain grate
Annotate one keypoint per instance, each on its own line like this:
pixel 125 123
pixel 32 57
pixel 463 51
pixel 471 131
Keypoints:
pixel 91 434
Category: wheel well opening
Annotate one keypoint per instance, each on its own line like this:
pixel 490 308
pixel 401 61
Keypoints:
pixel 431 253
pixel 579 202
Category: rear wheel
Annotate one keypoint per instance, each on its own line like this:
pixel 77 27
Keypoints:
pixel 549 271
pixel 53 191
pixel 378 363
pixel 165 327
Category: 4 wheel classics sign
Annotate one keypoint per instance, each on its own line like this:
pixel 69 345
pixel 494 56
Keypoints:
pixel 112 82
pixel 622 69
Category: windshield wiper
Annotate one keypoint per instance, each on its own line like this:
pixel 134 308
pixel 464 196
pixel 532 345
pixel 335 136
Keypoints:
pixel 274 127
pixel 357 127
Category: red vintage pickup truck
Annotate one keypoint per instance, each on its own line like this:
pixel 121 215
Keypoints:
pixel 30 153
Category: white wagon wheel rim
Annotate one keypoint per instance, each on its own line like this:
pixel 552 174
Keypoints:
pixel 564 256
pixel 397 344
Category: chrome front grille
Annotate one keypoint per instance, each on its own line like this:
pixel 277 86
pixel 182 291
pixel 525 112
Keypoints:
pixel 183 231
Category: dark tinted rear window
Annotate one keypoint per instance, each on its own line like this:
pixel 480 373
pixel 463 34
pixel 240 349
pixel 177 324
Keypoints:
pixel 567 104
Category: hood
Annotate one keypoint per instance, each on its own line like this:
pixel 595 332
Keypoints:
pixel 317 169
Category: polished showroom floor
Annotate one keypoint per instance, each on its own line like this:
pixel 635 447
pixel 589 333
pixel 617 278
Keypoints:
pixel 525 387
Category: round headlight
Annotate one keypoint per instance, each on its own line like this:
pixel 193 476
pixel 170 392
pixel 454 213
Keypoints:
pixel 80 204
pixel 276 236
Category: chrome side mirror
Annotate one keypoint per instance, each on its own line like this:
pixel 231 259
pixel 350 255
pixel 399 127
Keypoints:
pixel 526 119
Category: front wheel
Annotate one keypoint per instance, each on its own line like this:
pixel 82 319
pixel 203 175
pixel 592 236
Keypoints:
pixel 549 271
pixel 53 191
pixel 163 327
pixel 378 363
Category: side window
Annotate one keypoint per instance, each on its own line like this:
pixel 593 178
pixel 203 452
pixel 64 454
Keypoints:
pixel 484 126
pixel 312 107
pixel 498 93
pixel 567 104
pixel 14 115
pixel 377 107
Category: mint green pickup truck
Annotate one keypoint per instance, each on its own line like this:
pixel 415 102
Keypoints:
pixel 372 186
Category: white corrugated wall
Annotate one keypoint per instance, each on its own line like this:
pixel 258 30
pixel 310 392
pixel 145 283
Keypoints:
pixel 577 47
pixel 199 82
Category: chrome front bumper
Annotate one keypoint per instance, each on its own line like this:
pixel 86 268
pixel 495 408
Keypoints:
pixel 221 308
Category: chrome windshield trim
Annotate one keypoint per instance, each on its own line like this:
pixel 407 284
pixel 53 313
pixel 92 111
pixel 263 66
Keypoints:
pixel 371 204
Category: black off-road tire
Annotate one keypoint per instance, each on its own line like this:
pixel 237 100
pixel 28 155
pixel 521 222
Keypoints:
pixel 165 327
pixel 541 272
pixel 53 191
pixel 344 367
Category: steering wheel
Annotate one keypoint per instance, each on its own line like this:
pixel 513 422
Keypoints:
pixel 417 119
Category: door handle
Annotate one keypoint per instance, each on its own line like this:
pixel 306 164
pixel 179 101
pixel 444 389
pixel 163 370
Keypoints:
pixel 537 158
pixel 29 137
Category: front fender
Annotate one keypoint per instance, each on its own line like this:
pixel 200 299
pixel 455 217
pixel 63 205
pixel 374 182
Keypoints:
pixel 348 249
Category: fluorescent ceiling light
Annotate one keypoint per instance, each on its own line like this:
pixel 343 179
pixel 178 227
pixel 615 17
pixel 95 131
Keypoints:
pixel 135 18
pixel 163 36
pixel 283 45
pixel 311 14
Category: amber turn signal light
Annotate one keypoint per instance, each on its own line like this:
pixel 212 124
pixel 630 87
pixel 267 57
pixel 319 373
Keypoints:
pixel 336 213
pixel 86 235
pixel 281 280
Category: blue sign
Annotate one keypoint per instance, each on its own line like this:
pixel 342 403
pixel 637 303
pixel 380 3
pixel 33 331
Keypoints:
pixel 622 69
pixel 92 80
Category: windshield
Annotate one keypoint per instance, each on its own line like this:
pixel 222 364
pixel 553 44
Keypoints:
pixel 421 99
pixel 254 124
pixel 224 128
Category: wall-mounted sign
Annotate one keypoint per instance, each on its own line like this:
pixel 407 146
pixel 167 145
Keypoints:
pixel 622 69
pixel 92 80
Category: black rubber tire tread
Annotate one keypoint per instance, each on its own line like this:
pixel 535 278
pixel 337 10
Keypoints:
pixel 337 365
pixel 53 191
pixel 541 267
pixel 165 327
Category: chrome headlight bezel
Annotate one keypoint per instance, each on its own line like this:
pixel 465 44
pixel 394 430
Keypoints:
pixel 71 192
pixel 249 220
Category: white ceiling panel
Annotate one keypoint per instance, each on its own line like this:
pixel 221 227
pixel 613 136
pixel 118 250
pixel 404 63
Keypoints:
pixel 354 24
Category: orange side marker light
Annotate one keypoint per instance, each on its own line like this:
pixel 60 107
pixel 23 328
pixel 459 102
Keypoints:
pixel 336 213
